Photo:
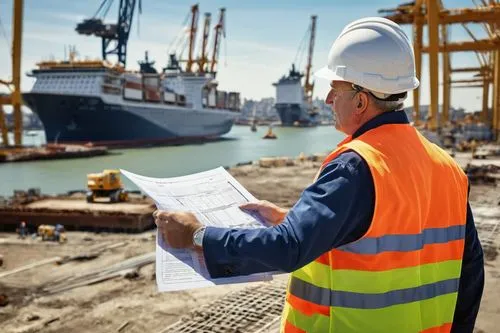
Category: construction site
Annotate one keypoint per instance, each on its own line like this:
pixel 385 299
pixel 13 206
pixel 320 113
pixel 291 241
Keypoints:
pixel 86 259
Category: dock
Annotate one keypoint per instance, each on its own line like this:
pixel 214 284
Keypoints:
pixel 49 152
pixel 76 214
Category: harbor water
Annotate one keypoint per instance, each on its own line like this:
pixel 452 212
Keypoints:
pixel 238 146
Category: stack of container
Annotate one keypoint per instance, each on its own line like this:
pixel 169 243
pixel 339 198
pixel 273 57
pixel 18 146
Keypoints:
pixel 132 87
pixel 151 87
pixel 221 101
pixel 233 101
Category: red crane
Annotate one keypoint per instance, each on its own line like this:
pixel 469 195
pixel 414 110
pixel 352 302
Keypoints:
pixel 202 62
pixel 192 37
pixel 220 29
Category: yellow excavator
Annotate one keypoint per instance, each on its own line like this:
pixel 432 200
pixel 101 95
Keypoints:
pixel 106 184
pixel 55 233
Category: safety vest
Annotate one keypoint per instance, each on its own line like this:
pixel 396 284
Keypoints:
pixel 403 274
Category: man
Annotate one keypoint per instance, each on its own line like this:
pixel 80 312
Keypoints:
pixel 384 239
pixel 23 230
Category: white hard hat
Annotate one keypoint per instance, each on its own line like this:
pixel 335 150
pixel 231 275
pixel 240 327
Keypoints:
pixel 373 53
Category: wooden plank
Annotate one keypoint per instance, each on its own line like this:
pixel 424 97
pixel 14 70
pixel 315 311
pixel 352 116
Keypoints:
pixel 30 266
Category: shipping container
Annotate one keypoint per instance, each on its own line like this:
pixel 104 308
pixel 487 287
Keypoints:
pixel 181 99
pixel 221 99
pixel 212 98
pixel 132 94
pixel 204 97
pixel 233 101
pixel 151 88
pixel 151 80
pixel 132 86
pixel 169 97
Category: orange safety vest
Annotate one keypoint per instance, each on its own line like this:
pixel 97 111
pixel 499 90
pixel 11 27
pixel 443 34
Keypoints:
pixel 403 274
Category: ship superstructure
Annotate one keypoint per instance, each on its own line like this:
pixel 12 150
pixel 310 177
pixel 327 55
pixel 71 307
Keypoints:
pixel 294 99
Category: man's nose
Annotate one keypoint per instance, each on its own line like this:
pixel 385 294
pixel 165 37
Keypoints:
pixel 329 97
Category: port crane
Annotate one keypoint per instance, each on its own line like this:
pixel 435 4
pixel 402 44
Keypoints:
pixel 432 14
pixel 203 59
pixel 114 36
pixel 308 85
pixel 220 31
pixel 204 63
pixel 14 85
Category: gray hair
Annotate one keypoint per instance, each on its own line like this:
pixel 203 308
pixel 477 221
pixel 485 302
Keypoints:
pixel 386 106
pixel 380 99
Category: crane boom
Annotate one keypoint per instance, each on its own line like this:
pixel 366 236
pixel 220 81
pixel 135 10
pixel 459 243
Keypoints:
pixel 309 86
pixel 114 36
pixel 192 37
pixel 219 30
pixel 203 57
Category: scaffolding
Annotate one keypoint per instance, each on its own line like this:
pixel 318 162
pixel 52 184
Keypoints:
pixel 432 14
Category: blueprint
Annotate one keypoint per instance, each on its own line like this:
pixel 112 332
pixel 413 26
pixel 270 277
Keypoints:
pixel 214 197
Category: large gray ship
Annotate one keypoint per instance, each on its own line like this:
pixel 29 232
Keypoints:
pixel 292 106
pixel 104 104
pixel 294 100
pixel 82 102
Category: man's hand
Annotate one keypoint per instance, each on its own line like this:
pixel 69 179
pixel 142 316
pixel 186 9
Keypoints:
pixel 270 212
pixel 177 228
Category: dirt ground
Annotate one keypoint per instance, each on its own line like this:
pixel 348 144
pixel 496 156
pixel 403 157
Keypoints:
pixel 108 305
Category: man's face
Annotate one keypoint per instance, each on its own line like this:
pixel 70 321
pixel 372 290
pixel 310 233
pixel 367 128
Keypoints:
pixel 340 98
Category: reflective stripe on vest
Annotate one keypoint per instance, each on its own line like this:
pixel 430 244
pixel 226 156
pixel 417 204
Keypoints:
pixel 405 243
pixel 403 274
pixel 324 296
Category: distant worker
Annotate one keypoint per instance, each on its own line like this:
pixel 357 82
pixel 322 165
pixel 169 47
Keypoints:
pixel 57 232
pixel 384 239
pixel 22 230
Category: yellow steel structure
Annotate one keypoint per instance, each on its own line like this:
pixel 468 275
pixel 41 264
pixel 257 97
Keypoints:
pixel 485 72
pixel 404 14
pixel 3 127
pixel 418 27
pixel 14 98
pixel 479 45
pixel 446 76
pixel 432 14
pixel 433 24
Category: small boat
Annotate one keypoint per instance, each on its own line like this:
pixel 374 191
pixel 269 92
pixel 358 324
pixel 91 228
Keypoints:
pixel 270 134
pixel 254 127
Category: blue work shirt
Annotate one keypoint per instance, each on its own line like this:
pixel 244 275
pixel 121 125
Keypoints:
pixel 337 209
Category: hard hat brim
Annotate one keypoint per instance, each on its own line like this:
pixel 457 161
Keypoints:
pixel 327 74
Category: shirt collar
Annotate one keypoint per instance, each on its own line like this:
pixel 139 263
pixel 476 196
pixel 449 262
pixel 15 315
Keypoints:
pixel 392 117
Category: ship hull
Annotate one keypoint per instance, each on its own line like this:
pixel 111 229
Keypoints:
pixel 294 115
pixel 83 119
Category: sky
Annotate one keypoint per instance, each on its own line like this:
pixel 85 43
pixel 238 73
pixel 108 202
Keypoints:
pixel 262 38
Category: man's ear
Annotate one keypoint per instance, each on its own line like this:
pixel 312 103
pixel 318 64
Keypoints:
pixel 362 102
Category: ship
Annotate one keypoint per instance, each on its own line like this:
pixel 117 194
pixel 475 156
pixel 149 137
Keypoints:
pixel 294 100
pixel 96 102
pixel 291 104
pixel 101 103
